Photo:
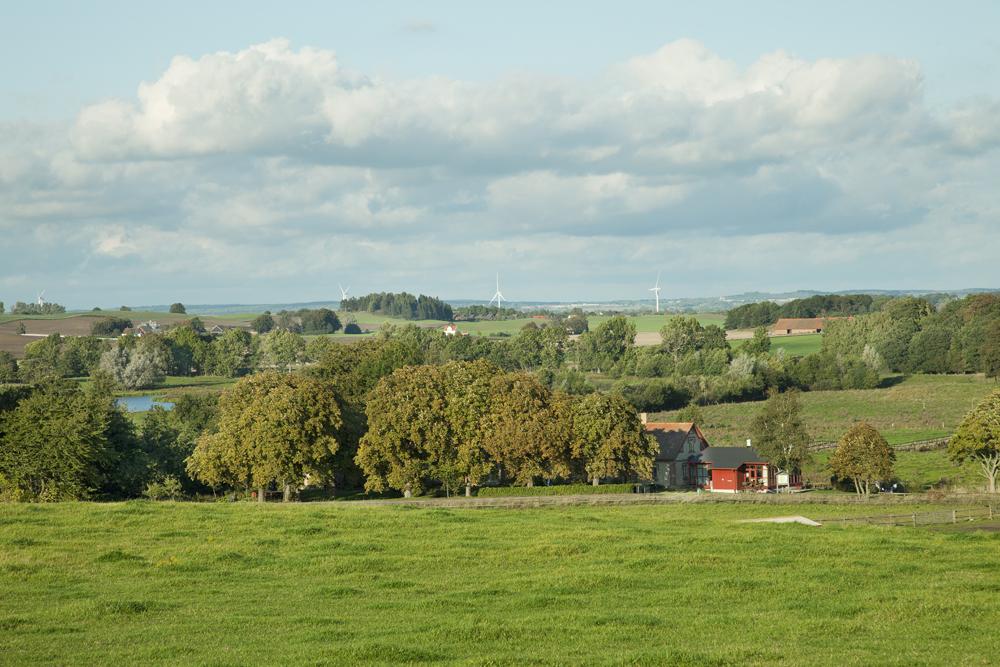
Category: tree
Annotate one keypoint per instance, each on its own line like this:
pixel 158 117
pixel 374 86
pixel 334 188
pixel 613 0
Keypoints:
pixel 760 343
pixel 407 432
pixel 319 321
pixel 680 336
pixel 576 322
pixel 110 326
pixel 60 443
pixel 864 457
pixel 1 308
pixel 978 439
pixel 232 353
pixel 989 353
pixel 609 440
pixel 525 432
pixel 178 308
pixel 282 349
pixel 467 402
pixel 779 433
pixel 272 428
pixel 263 323
pixel 8 367
pixel 136 364
pixel 608 344
pixel 352 328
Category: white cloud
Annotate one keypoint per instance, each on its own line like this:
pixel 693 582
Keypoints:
pixel 280 159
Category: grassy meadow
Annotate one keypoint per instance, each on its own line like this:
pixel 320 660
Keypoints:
pixel 227 584
pixel 919 471
pixel 916 407
pixel 796 346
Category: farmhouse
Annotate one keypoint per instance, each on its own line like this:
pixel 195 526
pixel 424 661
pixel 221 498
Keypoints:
pixel 787 326
pixel 686 461
pixel 680 443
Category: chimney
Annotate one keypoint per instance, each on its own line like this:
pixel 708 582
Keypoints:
pixel 644 418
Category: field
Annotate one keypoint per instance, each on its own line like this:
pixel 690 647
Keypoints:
pixel 913 408
pixel 228 584
pixel 919 471
pixel 798 346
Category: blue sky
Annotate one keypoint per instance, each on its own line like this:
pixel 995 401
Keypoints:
pixel 221 151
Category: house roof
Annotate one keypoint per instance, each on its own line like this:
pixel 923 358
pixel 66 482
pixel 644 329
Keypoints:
pixel 671 436
pixel 730 457
pixel 800 323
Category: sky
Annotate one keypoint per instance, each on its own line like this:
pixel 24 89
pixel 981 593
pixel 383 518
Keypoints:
pixel 244 152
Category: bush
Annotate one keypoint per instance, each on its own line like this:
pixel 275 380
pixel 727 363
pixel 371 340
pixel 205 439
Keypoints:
pixel 555 490
pixel 110 326
pixel 168 488
pixel 352 328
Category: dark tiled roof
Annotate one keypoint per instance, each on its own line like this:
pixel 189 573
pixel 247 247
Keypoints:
pixel 671 436
pixel 731 457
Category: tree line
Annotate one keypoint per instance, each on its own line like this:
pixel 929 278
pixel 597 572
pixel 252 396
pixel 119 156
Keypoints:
pixel 765 313
pixel 400 305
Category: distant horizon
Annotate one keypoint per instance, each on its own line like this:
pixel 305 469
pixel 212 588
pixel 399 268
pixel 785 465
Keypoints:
pixel 665 301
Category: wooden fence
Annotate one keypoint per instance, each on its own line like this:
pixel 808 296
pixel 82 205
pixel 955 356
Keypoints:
pixel 915 446
pixel 956 515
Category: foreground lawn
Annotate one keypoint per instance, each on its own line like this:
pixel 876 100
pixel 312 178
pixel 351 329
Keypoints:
pixel 917 407
pixel 144 583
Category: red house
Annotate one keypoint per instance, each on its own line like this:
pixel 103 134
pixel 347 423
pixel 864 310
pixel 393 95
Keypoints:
pixel 733 469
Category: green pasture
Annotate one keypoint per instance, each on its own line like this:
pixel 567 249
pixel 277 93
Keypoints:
pixel 797 346
pixel 916 407
pixel 919 471
pixel 335 584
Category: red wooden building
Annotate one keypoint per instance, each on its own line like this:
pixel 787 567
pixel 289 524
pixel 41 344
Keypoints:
pixel 733 469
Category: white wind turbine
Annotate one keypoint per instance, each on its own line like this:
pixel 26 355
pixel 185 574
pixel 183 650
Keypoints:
pixel 656 291
pixel 343 292
pixel 41 298
pixel 498 297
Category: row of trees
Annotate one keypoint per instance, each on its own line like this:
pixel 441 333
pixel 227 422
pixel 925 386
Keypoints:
pixel 401 305
pixel 765 313
pixel 304 321
pixel 22 308
pixel 460 423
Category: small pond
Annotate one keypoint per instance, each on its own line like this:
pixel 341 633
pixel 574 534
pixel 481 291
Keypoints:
pixel 142 403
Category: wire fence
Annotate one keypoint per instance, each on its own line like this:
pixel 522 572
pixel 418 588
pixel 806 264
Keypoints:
pixel 957 515
pixel 915 446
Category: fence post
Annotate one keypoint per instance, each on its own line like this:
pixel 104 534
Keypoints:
pixel 991 511
pixel 954 517
pixel 914 519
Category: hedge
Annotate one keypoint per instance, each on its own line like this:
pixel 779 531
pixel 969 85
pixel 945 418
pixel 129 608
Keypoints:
pixel 557 490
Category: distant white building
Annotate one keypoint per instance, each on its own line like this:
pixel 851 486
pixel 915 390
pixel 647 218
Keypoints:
pixel 451 329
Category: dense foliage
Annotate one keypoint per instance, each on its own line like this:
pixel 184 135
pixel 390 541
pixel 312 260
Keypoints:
pixel 765 313
pixel 910 335
pixel 490 313
pixel 978 439
pixel 22 308
pixel 403 306
pixel 110 326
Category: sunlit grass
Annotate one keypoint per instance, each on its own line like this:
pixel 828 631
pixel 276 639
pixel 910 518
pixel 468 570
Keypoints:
pixel 143 583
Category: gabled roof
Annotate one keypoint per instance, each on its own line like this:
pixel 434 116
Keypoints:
pixel 671 436
pixel 730 457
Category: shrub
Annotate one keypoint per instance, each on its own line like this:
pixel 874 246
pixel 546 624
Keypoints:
pixel 555 490
pixel 168 488
pixel 352 328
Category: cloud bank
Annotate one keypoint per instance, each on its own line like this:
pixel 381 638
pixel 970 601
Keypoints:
pixel 273 172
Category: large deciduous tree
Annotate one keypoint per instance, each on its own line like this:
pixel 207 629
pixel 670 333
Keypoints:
pixel 282 349
pixel 609 439
pixel 978 439
pixel 779 433
pixel 272 428
pixel 864 457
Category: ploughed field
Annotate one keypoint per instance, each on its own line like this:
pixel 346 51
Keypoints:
pixel 155 583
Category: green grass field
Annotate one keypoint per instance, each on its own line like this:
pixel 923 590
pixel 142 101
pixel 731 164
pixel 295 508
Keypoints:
pixel 798 346
pixel 917 408
pixel 919 471
pixel 236 584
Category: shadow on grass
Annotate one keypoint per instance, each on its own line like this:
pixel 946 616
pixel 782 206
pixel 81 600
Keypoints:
pixel 891 381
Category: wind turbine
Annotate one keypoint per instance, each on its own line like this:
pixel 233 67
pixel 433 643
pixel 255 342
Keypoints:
pixel 41 298
pixel 343 292
pixel 656 291
pixel 498 297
